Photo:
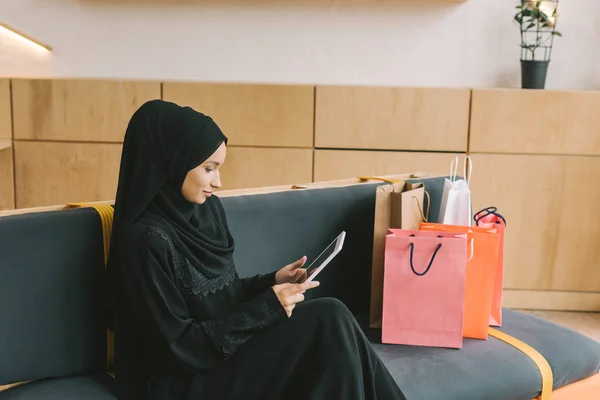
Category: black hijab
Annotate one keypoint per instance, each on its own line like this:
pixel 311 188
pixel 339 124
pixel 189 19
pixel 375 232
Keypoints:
pixel 162 143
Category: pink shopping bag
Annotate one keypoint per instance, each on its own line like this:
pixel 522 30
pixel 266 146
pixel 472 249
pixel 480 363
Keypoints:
pixel 424 288
pixel 490 218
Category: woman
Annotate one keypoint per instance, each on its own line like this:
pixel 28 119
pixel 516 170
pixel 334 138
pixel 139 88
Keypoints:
pixel 186 326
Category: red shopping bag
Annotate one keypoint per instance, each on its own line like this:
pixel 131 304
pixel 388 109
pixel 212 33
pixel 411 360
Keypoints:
pixel 482 257
pixel 424 288
pixel 489 218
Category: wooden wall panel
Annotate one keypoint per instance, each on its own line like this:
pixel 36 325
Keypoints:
pixel 248 167
pixel 550 203
pixel 57 173
pixel 252 115
pixel 535 122
pixel 551 300
pixel 341 164
pixel 392 118
pixel 5 112
pixel 6 177
pixel 77 110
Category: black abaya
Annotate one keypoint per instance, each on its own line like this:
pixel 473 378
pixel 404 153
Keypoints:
pixel 184 336
pixel 186 326
pixel 319 353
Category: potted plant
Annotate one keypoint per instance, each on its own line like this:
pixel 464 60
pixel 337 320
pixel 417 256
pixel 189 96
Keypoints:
pixel 537 21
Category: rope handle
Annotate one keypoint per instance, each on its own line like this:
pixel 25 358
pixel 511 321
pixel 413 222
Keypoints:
pixel 454 169
pixel 467 169
pixel 412 266
pixel 425 217
pixel 472 249
pixel 488 211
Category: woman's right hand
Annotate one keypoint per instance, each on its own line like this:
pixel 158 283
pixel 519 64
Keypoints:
pixel 289 294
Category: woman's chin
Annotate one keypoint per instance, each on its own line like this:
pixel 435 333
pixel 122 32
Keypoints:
pixel 201 199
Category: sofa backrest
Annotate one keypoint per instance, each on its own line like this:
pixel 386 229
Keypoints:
pixel 274 229
pixel 52 268
pixel 51 295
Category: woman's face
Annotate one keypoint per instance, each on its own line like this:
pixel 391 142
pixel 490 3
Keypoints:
pixel 201 181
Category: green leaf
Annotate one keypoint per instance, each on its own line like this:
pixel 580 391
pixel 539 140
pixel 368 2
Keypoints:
pixel 527 13
pixel 538 4
pixel 544 16
pixel 557 33
pixel 531 25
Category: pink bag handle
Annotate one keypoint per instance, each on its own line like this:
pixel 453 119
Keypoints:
pixel 412 247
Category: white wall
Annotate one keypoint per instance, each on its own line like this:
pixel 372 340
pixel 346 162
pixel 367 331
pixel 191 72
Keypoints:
pixel 387 42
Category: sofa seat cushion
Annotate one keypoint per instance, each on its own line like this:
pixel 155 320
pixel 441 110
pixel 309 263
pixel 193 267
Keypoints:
pixel 98 386
pixel 491 369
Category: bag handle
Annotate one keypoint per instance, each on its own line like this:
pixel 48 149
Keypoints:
pixel 472 249
pixel 424 216
pixel 468 164
pixel 467 169
pixel 454 169
pixel 412 248
pixel 488 211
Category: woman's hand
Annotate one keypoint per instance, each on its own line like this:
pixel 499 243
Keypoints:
pixel 289 294
pixel 292 272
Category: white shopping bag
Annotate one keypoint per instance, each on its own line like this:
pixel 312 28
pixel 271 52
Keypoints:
pixel 456 206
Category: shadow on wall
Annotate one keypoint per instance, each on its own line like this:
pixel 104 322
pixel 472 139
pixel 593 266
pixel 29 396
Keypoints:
pixel 509 78
pixel 371 5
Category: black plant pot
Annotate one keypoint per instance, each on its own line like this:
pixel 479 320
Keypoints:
pixel 533 74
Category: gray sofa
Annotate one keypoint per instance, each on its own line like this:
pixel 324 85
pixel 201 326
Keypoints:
pixel 52 331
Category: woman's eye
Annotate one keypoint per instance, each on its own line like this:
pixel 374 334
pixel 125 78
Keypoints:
pixel 208 169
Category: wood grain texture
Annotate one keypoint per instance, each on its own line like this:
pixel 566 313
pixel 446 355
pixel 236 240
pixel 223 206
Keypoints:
pixel 586 323
pixel 248 167
pixel 535 122
pixel 58 173
pixel 550 204
pixel 233 192
pixel 551 300
pixel 77 110
pixel 392 118
pixel 7 192
pixel 341 164
pixel 252 115
pixel 5 110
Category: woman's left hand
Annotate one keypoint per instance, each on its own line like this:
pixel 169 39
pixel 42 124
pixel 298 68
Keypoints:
pixel 291 272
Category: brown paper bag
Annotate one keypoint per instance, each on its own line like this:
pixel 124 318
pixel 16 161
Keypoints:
pixel 397 206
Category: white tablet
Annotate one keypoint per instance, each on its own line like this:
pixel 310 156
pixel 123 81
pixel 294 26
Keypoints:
pixel 325 257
